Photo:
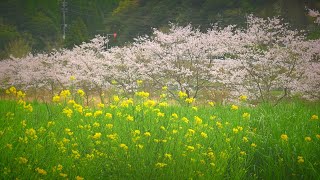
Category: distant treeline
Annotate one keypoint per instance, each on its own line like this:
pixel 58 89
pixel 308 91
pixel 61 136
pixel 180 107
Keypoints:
pixel 37 25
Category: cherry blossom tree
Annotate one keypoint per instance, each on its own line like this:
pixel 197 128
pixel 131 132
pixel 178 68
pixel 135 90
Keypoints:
pixel 266 61
pixel 274 59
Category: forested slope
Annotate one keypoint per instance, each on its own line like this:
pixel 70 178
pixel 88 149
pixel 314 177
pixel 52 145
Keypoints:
pixel 37 25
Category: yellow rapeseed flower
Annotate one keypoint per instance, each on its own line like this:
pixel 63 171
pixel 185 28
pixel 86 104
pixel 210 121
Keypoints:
pixel 148 134
pixel 246 115
pixel 245 139
pixel 164 88
pixel 191 132
pixel 318 136
pixel 96 135
pixel 21 102
pixel 97 113
pixel 65 93
pixel 88 114
pixel 211 155
pixel 163 104
pixel 140 146
pixel 28 107
pixel 174 115
pixel 21 94
pixel 108 115
pixel 124 146
pixel 79 178
pixel 149 103
pixel 136 132
pixel 234 107
pixel 126 103
pixel 308 139
pixel 116 98
pixel 184 119
pixel 109 126
pixel 41 171
pixel 243 153
pixel 139 82
pixel 219 124
pixel 113 136
pixel 75 154
pixel 284 137
pixel 190 148
pixel 96 124
pixel 240 128
pixel 160 114
pixel 31 133
pixel 129 118
pixel 100 105
pixel 72 78
pixel 211 103
pixel 142 94
pixel 59 167
pixel 63 175
pixel 68 131
pixel 235 130
pixel 182 94
pixel 160 165
pixel 243 98
pixel 67 111
pixel 300 159
pixel 22 160
pixel 72 102
pixel 81 92
pixel 189 100
pixel 198 120
pixel 163 95
pixel 314 117
pixel 174 131
pixel 253 145
pixel 78 108
pixel 168 156
pixel 13 90
pixel 204 135
pixel 24 123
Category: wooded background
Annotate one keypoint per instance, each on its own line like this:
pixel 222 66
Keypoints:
pixel 36 25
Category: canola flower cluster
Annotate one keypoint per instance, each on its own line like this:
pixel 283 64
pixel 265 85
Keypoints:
pixel 141 137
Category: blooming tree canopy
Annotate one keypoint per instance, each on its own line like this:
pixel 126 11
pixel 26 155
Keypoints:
pixel 266 61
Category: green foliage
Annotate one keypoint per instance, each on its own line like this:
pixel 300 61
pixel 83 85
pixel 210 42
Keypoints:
pixel 44 30
pixel 18 48
pixel 137 138
pixel 130 18
pixel 315 34
pixel 77 33
pixel 7 34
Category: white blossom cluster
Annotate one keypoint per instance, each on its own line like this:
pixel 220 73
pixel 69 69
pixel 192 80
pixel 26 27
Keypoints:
pixel 266 60
pixel 315 14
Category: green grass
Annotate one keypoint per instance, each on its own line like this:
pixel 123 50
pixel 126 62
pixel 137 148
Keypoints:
pixel 175 150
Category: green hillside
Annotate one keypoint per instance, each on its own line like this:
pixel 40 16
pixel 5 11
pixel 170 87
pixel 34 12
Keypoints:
pixel 37 25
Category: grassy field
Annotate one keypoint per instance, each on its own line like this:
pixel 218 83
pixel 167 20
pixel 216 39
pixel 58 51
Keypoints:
pixel 143 139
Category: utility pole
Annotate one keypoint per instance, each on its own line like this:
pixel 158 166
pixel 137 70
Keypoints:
pixel 64 10
pixel 114 37
pixel 107 36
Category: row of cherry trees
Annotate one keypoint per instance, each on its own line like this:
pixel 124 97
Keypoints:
pixel 265 61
